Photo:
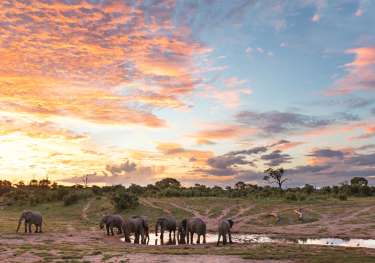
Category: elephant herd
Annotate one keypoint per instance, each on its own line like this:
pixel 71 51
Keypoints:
pixel 139 227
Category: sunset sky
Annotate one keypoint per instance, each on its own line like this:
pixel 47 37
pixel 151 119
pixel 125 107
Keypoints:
pixel 208 91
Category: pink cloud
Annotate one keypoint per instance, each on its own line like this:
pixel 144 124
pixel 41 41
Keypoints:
pixel 360 73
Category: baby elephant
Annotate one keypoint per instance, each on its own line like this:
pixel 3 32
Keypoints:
pixel 224 230
pixel 111 221
pixel 31 218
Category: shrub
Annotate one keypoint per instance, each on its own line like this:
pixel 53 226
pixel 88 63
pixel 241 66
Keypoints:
pixel 124 200
pixel 71 199
pixel 343 197
pixel 291 197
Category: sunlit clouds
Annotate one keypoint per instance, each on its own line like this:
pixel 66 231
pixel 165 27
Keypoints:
pixel 205 92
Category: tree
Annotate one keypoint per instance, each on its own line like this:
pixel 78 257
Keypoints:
pixel 122 199
pixel 168 182
pixel 44 183
pixel 360 181
pixel 239 185
pixel 275 176
pixel 33 183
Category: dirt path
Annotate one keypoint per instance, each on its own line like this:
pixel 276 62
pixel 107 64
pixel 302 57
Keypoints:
pixel 84 210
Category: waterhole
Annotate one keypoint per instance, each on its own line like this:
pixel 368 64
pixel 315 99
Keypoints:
pixel 256 238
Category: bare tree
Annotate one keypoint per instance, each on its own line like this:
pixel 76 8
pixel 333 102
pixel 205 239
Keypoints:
pixel 275 176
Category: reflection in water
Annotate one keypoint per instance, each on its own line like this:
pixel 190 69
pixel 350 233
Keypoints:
pixel 368 243
pixel 252 238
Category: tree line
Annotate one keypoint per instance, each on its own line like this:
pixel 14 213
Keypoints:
pixel 122 197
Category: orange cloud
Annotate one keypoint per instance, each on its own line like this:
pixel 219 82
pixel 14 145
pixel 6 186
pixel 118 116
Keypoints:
pixel 176 150
pixel 68 58
pixel 361 72
pixel 40 130
pixel 209 135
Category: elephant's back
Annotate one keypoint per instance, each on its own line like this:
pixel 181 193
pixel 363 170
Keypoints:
pixel 118 219
pixel 197 225
pixel 171 223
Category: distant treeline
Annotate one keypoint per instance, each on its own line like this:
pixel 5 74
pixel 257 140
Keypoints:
pixel 42 191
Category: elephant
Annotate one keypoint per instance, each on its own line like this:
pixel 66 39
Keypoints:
pixel 137 225
pixel 224 230
pixel 191 226
pixel 31 218
pixel 166 223
pixel 146 239
pixel 111 221
pixel 181 233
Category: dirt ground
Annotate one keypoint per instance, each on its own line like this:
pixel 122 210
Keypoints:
pixel 71 234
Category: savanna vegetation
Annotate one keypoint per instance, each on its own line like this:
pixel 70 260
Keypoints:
pixel 72 214
pixel 44 191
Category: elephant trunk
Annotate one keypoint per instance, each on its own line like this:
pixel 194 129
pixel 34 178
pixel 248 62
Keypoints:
pixel 19 223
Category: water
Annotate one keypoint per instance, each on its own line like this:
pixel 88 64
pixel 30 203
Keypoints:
pixel 255 238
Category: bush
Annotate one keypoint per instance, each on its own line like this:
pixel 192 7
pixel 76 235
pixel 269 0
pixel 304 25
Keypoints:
pixel 291 197
pixel 343 197
pixel 124 200
pixel 71 199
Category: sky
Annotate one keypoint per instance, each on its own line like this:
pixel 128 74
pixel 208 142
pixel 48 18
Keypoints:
pixel 210 91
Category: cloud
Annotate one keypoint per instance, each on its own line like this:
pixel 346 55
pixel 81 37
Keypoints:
pixel 82 59
pixel 230 98
pixel 315 18
pixel 225 132
pixel 276 122
pixel 126 167
pixel 327 153
pixel 276 158
pixel 176 150
pixel 36 129
pixel 359 12
pixel 360 73
pixel 273 122
pixel 125 173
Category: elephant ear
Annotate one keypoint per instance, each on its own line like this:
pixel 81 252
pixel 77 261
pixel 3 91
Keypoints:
pixel 231 223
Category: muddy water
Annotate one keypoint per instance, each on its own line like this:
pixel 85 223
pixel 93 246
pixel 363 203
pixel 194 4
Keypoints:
pixel 252 238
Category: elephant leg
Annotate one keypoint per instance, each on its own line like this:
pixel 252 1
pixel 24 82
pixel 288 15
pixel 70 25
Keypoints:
pixel 36 229
pixel 187 238
pixel 112 231
pixel 162 237
pixel 143 240
pixel 199 239
pixel 29 227
pixel 174 236
pixel 40 228
pixel 25 227
pixel 218 240
pixel 170 236
pixel 191 237
pixel 224 239
pixel 107 228
pixel 204 238
pixel 230 237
